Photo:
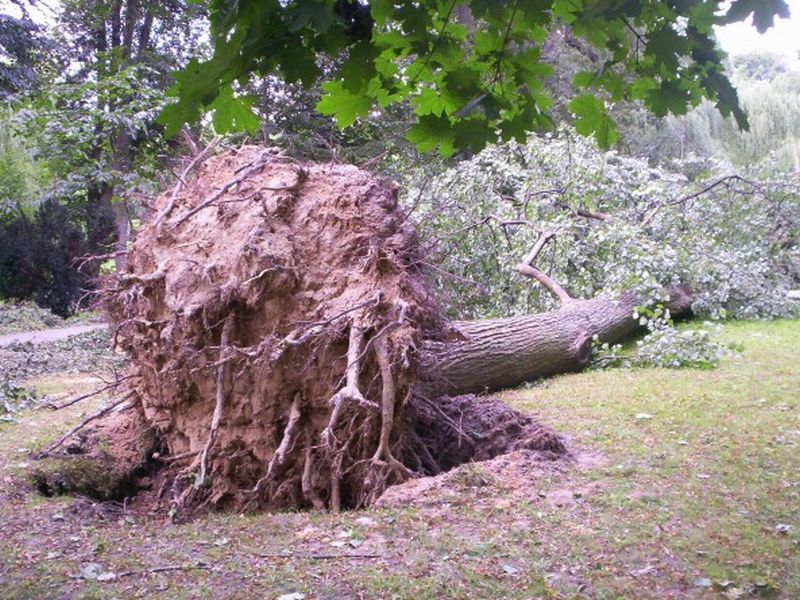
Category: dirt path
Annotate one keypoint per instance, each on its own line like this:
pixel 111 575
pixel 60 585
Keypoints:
pixel 47 335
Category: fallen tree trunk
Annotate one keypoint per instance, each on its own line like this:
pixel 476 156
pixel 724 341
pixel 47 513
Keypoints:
pixel 500 353
pixel 286 348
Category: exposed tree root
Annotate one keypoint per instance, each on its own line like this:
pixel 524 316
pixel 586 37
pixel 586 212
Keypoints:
pixel 303 388
pixel 287 443
pixel 275 317
pixel 350 391
pixel 222 374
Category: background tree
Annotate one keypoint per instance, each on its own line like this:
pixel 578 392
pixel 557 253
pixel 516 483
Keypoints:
pixel 96 121
pixel 22 48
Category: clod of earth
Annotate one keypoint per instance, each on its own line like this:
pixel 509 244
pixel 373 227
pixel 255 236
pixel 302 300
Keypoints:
pixel 285 346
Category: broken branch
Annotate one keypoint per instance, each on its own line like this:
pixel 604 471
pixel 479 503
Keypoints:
pixel 527 269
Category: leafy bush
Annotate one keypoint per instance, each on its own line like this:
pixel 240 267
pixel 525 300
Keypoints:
pixel 37 258
pixel 83 353
pixel 667 347
pixel 25 316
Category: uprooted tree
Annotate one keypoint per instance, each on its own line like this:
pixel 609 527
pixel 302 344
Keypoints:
pixel 287 351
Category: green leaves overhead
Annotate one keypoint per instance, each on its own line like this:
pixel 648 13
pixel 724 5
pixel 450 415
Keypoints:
pixel 233 113
pixel 763 11
pixel 472 70
pixel 342 104
pixel 591 118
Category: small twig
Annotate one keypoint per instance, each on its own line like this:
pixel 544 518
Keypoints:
pixel 597 216
pixel 113 384
pixel 246 171
pixel 260 275
pixel 82 424
pixel 82 261
pixel 373 160
pixel 177 457
pixel 294 341
pixel 417 199
pixel 146 278
pixel 166 569
pixel 470 436
pixel 451 275
pixel 253 167
pixel 704 190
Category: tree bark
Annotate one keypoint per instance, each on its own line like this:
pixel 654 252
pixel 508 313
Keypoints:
pixel 501 353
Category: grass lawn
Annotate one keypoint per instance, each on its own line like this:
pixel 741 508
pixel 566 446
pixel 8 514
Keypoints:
pixel 696 494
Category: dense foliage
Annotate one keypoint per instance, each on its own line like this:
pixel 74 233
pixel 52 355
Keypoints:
pixel 472 69
pixel 38 258
pixel 81 148
pixel 22 49
pixel 82 143
pixel 733 240
pixel 736 244
pixel 768 88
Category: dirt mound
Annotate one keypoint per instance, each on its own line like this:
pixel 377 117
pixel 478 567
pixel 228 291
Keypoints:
pixel 249 303
pixel 512 477
pixel 477 428
pixel 273 312
pixel 110 460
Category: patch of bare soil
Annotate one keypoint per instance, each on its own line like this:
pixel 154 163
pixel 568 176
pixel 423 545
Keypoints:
pixel 477 428
pixel 515 475
pixel 501 475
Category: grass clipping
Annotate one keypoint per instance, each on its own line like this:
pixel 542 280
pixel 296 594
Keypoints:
pixel 272 311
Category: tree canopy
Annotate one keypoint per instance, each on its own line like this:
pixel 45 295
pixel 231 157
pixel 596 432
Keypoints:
pixel 473 70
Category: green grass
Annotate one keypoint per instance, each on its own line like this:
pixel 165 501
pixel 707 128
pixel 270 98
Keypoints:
pixel 703 466
pixel 700 470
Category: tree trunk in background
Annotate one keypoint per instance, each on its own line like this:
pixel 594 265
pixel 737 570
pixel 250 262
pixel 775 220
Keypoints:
pixel 123 234
pixel 130 26
pixel 502 353
pixel 100 219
